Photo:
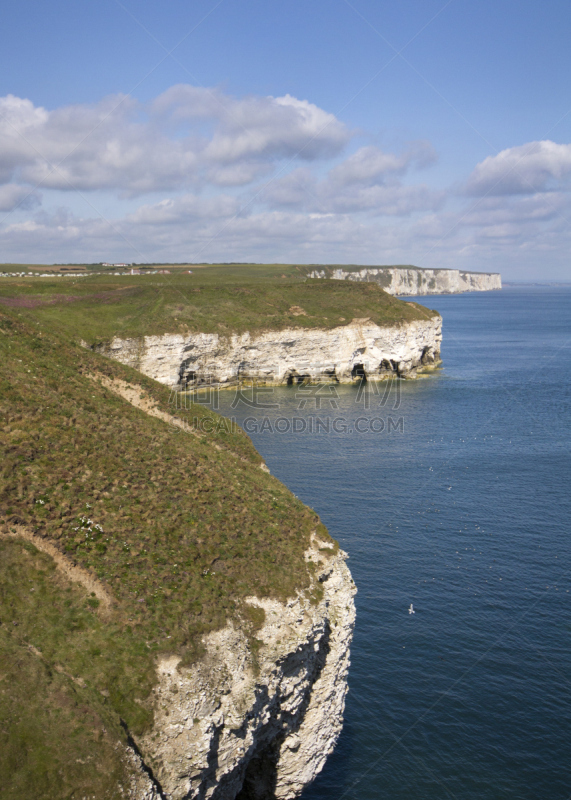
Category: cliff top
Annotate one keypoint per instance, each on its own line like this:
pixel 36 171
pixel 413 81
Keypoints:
pixel 96 308
pixel 126 532
pixel 122 537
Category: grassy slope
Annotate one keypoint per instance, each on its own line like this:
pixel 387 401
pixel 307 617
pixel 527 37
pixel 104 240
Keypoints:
pixel 171 508
pixel 212 300
pixel 187 530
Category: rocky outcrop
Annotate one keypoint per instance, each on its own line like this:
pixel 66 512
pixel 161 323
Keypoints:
pixel 288 356
pixel 258 715
pixel 415 281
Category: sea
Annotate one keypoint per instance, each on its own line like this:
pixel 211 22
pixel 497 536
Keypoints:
pixel 451 493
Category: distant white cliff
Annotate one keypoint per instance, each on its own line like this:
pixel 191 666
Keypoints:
pixel 415 281
pixel 360 348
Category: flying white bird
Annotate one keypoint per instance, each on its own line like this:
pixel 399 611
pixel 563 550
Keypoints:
pixel 411 609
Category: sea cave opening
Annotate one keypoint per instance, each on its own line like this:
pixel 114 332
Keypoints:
pixel 358 371
pixel 294 378
pixel 426 357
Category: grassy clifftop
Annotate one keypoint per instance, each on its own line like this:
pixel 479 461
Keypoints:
pixel 177 528
pixel 124 536
pixel 100 307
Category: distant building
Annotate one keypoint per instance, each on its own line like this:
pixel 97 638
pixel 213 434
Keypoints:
pixel 164 271
pixel 133 271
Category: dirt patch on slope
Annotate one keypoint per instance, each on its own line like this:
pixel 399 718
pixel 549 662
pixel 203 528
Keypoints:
pixel 71 571
pixel 134 394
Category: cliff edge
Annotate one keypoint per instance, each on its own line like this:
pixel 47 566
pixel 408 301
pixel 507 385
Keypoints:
pixel 256 722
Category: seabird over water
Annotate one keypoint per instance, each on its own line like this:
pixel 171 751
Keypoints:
pixel 411 609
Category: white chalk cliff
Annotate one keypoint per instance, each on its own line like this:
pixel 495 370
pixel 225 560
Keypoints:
pixel 255 723
pixel 407 281
pixel 341 354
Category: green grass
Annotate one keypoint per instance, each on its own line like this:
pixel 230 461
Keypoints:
pixel 213 300
pixel 187 532
pixel 58 731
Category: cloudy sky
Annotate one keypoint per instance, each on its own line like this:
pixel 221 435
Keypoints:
pixel 323 131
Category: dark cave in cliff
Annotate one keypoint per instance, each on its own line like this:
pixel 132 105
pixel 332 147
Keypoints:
pixel 358 371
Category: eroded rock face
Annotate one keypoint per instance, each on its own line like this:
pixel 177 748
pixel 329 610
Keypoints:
pixel 340 354
pixel 404 281
pixel 255 723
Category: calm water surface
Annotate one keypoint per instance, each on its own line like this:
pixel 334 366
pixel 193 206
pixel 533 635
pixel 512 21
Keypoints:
pixel 465 512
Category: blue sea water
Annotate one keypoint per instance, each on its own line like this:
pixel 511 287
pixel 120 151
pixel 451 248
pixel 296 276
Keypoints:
pixel 463 509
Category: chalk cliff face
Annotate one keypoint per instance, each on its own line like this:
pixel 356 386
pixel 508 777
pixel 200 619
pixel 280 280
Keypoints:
pixel 413 281
pixel 255 723
pixel 291 355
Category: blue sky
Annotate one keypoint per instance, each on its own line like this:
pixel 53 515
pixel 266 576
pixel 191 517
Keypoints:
pixel 433 133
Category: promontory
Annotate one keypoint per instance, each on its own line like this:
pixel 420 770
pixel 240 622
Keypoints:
pixel 174 622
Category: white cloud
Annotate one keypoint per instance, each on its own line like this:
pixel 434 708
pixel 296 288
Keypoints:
pixel 526 169
pixel 254 127
pixel 394 201
pixel 188 208
pixel 521 210
pixel 297 189
pixel 276 127
pixel 368 180
pixel 88 147
pixel 122 145
pixel 371 166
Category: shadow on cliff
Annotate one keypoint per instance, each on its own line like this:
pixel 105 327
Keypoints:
pixel 260 779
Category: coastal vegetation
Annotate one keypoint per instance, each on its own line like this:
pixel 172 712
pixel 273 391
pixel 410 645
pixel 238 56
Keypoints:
pixel 178 529
pixel 165 528
pixel 214 300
